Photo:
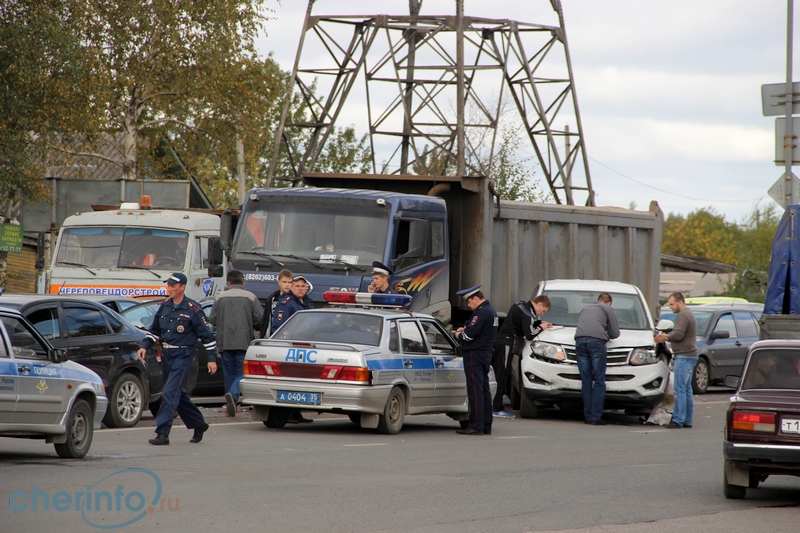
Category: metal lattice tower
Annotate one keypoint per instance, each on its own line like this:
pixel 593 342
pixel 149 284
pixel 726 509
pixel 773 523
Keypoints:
pixel 438 87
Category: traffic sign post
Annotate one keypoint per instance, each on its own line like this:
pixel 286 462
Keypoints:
pixel 785 190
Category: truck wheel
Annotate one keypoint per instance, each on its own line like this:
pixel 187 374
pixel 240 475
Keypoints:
pixel 734 492
pixel 277 418
pixel 700 377
pixel 80 430
pixel 125 403
pixel 528 409
pixel 394 413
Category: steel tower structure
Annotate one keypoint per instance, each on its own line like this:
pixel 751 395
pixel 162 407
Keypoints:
pixel 430 88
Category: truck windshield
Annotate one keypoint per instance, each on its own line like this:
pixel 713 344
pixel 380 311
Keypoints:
pixel 117 247
pixel 567 305
pixel 301 232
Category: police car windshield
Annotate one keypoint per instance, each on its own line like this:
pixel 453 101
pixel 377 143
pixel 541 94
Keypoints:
pixel 567 305
pixel 328 326
pixel 299 233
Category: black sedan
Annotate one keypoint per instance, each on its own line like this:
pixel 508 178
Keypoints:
pixel 100 339
pixel 200 383
pixel 762 426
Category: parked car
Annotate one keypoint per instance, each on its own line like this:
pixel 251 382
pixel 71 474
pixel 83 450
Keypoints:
pixel 43 395
pixel 762 425
pixel 546 373
pixel 374 365
pixel 117 303
pixel 102 340
pixel 724 334
pixel 199 383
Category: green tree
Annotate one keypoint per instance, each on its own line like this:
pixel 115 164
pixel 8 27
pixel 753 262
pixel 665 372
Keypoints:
pixel 702 233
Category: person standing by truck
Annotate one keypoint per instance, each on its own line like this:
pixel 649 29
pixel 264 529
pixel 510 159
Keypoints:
pixel 683 341
pixel 380 279
pixel 284 285
pixel 597 324
pixel 522 322
pixel 236 313
pixel 177 325
pixel 477 338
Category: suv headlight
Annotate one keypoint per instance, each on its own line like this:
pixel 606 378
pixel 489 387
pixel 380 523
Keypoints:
pixel 643 356
pixel 545 350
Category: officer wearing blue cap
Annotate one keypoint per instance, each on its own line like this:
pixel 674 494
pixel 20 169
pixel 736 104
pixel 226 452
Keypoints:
pixel 291 302
pixel 477 338
pixel 380 279
pixel 178 324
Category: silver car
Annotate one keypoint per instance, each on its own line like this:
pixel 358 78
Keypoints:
pixel 44 395
pixel 373 365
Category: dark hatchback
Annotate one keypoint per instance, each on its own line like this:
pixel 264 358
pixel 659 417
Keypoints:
pixel 762 426
pixel 102 340
pixel 200 383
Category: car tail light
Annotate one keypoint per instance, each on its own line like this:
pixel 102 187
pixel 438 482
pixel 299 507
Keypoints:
pixel 761 422
pixel 306 371
pixel 261 368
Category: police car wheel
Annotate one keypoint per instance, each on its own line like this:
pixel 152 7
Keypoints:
pixel 80 430
pixel 463 423
pixel 394 413
pixel 125 403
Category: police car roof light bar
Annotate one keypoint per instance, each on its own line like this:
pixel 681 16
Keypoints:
pixel 367 298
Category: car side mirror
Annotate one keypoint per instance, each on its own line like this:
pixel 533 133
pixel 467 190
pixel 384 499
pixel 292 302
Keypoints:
pixel 721 334
pixel 732 381
pixel 57 355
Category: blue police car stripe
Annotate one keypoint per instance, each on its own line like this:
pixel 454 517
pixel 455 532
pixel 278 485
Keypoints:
pixel 8 368
pixel 71 373
pixel 396 363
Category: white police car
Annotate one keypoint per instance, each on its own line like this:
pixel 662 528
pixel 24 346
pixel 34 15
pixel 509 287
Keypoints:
pixel 375 365
pixel 43 395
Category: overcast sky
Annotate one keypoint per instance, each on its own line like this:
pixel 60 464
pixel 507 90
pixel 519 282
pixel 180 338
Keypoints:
pixel 669 92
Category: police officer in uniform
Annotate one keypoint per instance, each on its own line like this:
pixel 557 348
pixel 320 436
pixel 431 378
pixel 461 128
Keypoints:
pixel 291 302
pixel 477 338
pixel 380 279
pixel 178 323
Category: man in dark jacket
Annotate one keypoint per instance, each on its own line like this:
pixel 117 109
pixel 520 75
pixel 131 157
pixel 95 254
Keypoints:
pixel 522 323
pixel 477 338
pixel 236 313
pixel 284 285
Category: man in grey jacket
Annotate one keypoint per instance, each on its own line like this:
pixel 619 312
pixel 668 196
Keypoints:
pixel 597 323
pixel 236 313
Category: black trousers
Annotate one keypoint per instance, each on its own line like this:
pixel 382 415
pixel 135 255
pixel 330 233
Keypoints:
pixel 479 394
pixel 501 363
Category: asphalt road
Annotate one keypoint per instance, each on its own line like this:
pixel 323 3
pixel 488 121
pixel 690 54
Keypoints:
pixel 552 474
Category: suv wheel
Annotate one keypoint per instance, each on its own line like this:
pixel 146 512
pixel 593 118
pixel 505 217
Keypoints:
pixel 125 403
pixel 700 377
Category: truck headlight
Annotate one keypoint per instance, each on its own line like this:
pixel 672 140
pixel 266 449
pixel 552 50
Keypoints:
pixel 643 356
pixel 545 350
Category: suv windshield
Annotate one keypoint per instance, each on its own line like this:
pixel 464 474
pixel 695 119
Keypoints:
pixel 286 231
pixel 332 327
pixel 567 305
pixel 115 247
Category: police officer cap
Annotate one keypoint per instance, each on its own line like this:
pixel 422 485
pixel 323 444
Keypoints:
pixel 467 293
pixel 380 268
pixel 299 277
pixel 176 277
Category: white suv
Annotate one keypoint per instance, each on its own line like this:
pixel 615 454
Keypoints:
pixel 546 374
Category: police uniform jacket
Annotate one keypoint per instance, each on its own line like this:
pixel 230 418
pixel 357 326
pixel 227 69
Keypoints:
pixel 269 309
pixel 236 313
pixel 521 321
pixel 288 304
pixel 480 331
pixel 181 325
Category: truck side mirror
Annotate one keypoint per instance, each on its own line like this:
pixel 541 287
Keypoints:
pixel 215 266
pixel 40 244
pixel 227 227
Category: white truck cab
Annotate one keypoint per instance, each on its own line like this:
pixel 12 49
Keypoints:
pixel 131 250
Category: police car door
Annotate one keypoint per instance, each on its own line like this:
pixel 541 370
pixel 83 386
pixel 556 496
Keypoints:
pixel 40 382
pixel 417 365
pixel 451 383
pixel 8 379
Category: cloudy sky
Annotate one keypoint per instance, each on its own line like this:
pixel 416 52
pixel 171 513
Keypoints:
pixel 669 92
